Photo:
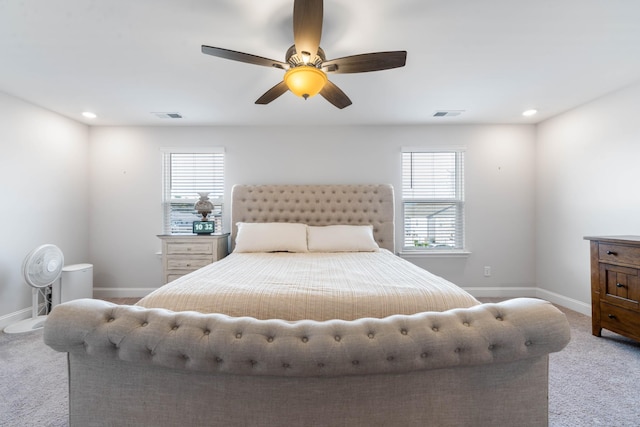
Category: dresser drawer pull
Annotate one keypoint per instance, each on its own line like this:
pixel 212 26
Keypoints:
pixel 619 285
pixel 612 253
pixel 612 316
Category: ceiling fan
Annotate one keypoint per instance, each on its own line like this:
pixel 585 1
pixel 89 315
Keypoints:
pixel 306 65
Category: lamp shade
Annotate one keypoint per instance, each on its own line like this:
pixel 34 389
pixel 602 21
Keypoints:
pixel 204 206
pixel 305 80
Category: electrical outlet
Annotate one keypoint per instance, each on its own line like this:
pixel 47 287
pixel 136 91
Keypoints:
pixel 487 271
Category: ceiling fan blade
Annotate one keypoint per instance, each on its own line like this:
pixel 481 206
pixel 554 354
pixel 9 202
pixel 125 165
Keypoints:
pixel 366 62
pixel 243 57
pixel 273 93
pixel 335 95
pixel 307 25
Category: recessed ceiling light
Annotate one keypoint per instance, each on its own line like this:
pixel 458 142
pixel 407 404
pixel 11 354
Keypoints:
pixel 530 113
pixel 447 113
pixel 89 115
pixel 163 115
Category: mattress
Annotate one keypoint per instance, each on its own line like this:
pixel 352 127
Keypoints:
pixel 317 286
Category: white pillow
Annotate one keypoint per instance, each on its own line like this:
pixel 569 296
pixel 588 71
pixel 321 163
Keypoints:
pixel 341 238
pixel 271 237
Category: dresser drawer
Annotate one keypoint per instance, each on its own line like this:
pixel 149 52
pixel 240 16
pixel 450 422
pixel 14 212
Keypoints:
pixel 619 254
pixel 198 248
pixel 619 319
pixel 620 285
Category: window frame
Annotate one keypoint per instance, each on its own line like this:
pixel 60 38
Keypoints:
pixel 218 190
pixel 458 201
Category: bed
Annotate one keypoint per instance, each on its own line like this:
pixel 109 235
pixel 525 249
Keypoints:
pixel 271 344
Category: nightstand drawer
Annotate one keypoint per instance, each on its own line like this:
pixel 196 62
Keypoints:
pixel 619 319
pixel 186 263
pixel 179 248
pixel 618 254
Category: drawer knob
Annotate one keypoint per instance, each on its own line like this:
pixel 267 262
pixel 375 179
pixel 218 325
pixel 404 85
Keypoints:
pixel 619 285
pixel 612 253
pixel 612 316
pixel 188 265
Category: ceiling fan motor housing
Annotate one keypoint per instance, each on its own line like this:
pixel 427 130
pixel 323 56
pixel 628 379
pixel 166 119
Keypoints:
pixel 304 58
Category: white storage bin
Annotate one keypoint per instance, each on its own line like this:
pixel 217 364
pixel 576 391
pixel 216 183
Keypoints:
pixel 76 282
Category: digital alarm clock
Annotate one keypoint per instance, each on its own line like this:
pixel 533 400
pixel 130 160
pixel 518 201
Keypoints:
pixel 203 227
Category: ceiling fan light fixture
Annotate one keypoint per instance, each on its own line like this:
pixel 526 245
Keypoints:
pixel 305 61
pixel 305 81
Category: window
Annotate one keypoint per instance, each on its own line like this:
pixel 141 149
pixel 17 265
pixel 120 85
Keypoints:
pixel 186 173
pixel 433 199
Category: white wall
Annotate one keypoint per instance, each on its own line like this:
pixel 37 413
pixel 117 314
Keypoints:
pixel 588 171
pixel 532 192
pixel 44 194
pixel 126 189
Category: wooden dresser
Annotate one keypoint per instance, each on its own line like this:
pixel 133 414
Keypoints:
pixel 182 254
pixel 615 285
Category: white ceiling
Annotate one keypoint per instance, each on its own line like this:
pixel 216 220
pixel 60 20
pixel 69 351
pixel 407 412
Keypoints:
pixel 124 59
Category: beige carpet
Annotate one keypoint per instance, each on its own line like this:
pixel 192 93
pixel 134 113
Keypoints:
pixel 594 381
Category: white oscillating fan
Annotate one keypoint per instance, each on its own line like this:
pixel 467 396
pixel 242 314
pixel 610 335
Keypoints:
pixel 40 268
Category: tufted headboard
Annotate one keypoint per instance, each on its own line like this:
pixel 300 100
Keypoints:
pixel 317 205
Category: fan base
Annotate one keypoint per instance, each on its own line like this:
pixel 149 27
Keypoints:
pixel 27 325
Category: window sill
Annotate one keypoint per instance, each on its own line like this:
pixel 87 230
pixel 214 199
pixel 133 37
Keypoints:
pixel 435 254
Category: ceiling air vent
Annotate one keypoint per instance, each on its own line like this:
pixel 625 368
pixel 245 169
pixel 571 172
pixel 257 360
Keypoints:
pixel 168 115
pixel 447 113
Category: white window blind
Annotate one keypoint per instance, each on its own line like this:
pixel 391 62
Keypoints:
pixel 185 175
pixel 433 199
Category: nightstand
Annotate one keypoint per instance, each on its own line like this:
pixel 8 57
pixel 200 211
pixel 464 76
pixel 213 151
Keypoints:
pixel 182 254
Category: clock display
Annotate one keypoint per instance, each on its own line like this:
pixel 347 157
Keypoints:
pixel 203 227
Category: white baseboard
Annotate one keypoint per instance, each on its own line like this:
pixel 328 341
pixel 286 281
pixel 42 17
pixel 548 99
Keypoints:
pixel 121 292
pixel 502 292
pixel 531 292
pixel 570 303
pixel 16 316
pixel 25 313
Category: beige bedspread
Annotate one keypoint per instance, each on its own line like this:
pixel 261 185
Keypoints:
pixel 318 286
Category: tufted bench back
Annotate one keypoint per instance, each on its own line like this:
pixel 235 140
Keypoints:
pixel 214 343
pixel 317 205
